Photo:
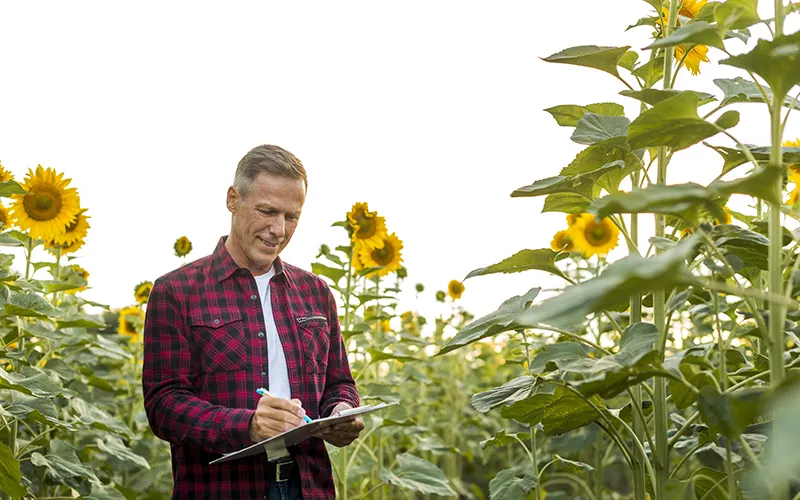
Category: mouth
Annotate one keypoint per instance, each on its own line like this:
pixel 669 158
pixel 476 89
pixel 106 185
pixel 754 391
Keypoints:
pixel 268 244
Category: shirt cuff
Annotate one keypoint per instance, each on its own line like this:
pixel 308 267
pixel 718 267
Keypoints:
pixel 238 428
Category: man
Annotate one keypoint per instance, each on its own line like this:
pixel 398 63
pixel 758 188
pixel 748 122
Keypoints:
pixel 237 320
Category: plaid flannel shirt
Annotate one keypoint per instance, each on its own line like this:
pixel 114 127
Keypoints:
pixel 205 355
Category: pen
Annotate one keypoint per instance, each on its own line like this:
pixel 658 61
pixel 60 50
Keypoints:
pixel 264 392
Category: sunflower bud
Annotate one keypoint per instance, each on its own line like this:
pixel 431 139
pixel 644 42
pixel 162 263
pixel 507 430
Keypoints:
pixel 419 287
pixel 440 296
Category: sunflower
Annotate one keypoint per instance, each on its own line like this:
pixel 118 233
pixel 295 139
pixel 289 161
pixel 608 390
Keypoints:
pixel 79 271
pixel 76 231
pixel 182 246
pixel 698 53
pixel 562 242
pixel 727 217
pixel 454 289
pixel 53 247
pixel 5 217
pixel 572 219
pixel 5 175
pixel 48 207
pixel 794 176
pixel 384 325
pixel 591 236
pixel 368 227
pixel 387 256
pixel 129 319
pixel 142 291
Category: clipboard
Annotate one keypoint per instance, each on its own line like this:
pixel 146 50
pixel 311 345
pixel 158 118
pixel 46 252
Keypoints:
pixel 275 447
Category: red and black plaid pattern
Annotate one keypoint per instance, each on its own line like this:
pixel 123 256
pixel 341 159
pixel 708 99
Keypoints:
pixel 205 354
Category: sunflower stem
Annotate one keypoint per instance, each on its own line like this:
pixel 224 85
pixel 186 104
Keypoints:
pixel 661 453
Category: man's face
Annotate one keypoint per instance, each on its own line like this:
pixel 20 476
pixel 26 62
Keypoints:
pixel 264 220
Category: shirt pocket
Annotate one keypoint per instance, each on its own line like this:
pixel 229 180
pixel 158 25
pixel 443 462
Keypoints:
pixel 220 341
pixel 315 336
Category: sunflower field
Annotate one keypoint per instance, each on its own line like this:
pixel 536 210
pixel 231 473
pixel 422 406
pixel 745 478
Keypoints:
pixel 665 365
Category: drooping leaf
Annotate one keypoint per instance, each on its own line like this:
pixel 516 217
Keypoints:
pixel 568 412
pixel 501 438
pixel 572 465
pixel 34 382
pixel 567 115
pixel 735 157
pixel 62 463
pixel 494 323
pixel 673 122
pixel 679 199
pixel 758 184
pixel 80 321
pixel 628 276
pixel 737 14
pixel 10 475
pixel 98 418
pixel 542 259
pixel 105 492
pixel 511 484
pixel 695 33
pixel 416 474
pixel 558 356
pixel 10 188
pixel 378 355
pixel 116 448
pixel 568 203
pixel 591 56
pixel 512 391
pixel 742 90
pixel 529 410
pixel 750 246
pixel 776 61
pixel 728 414
pixel 593 128
pixel 38 409
pixel 655 96
pixel 628 60
pixel 332 273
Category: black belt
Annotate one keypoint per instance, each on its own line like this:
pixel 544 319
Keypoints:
pixel 281 470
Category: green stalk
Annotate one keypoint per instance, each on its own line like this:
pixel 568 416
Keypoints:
pixel 776 310
pixel 534 465
pixel 639 474
pixel 661 453
pixel 723 382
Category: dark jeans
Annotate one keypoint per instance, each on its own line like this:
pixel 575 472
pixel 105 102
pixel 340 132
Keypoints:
pixel 288 490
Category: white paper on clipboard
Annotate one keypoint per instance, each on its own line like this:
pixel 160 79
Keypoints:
pixel 275 447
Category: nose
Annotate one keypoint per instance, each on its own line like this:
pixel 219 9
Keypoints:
pixel 278 227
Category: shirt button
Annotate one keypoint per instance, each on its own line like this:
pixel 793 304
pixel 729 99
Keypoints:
pixel 264 374
pixel 253 297
pixel 216 322
pixel 261 335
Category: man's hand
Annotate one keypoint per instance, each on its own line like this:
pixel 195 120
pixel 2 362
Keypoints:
pixel 275 415
pixel 342 433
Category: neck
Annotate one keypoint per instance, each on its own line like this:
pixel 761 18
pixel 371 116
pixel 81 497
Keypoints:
pixel 240 258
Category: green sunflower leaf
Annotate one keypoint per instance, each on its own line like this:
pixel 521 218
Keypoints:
pixel 28 304
pixel 62 463
pixel 655 96
pixel 593 128
pixel 673 122
pixel 737 14
pixel 742 90
pixel 97 418
pixel 568 412
pixel 591 56
pixel 530 409
pixel 334 274
pixel 758 184
pixel 750 246
pixel 542 259
pixel 106 492
pixel 116 448
pixel 628 60
pixel 7 240
pixel 678 199
pixel 10 188
pixel 510 392
pixel 776 61
pixel 734 157
pixel 567 203
pixel 695 33
pixel 378 355
pixel 34 382
pixel 501 439
pixel 37 409
pixel 572 465
pixel 625 277
pixel 728 414
pixel 494 323
pixel 10 475
pixel 567 115
pixel 416 474
pixel 650 72
pixel 512 484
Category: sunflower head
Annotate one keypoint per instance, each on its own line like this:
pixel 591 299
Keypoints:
pixel 727 217
pixel 182 246
pixel 562 242
pixel 48 207
pixel 5 175
pixel 367 227
pixel 130 319
pixel 383 325
pixel 454 289
pixel 56 249
pixel 698 54
pixel 142 291
pixel 5 217
pixel 789 144
pixel 387 257
pixel 77 270
pixel 410 323
pixel 573 218
pixel 75 231
pixel 593 237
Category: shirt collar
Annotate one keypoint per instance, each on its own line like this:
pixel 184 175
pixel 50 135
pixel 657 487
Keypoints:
pixel 223 266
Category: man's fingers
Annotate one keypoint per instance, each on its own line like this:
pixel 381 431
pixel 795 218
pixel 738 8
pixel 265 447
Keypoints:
pixel 291 406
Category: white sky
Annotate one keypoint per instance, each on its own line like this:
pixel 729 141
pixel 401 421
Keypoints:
pixel 429 111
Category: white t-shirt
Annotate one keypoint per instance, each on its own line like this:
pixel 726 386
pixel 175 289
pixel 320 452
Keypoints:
pixel 278 373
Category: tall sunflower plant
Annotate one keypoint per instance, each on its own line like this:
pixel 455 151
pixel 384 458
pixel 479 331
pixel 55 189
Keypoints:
pixel 681 357
pixel 64 371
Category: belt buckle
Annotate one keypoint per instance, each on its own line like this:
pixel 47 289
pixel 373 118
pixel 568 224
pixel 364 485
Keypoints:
pixel 283 471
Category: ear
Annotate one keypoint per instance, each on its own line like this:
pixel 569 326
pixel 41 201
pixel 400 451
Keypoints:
pixel 232 200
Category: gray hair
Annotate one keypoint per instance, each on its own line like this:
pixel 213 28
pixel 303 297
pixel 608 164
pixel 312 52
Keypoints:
pixel 269 159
